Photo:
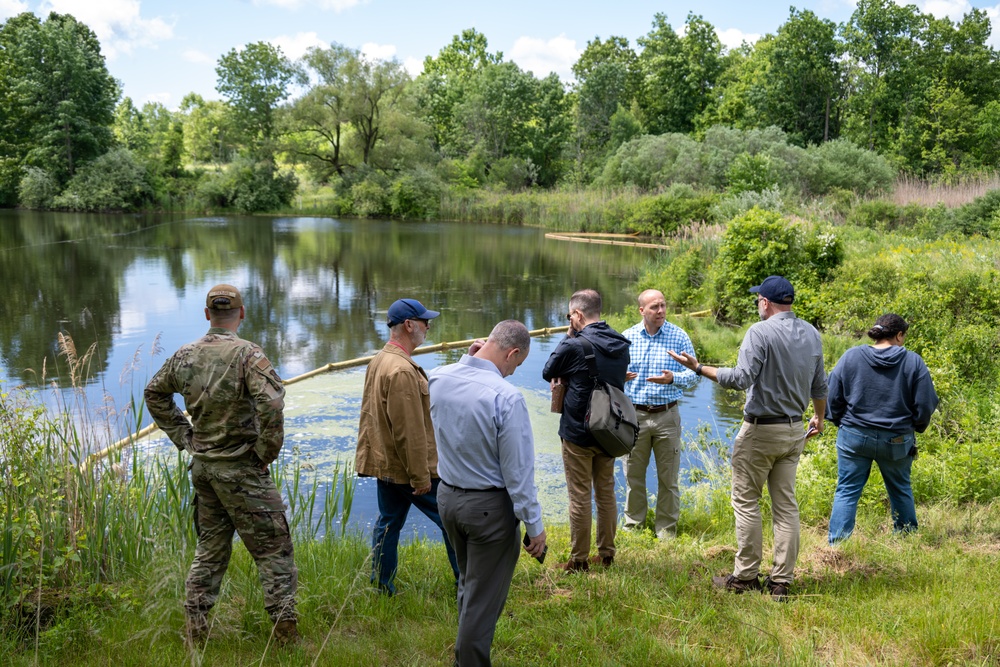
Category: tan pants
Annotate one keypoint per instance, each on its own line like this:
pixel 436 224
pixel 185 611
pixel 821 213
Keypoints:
pixel 590 470
pixel 659 435
pixel 766 454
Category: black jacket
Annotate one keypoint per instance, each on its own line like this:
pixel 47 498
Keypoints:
pixel 567 362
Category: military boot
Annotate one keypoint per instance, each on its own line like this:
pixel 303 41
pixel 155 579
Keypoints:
pixel 285 632
pixel 196 629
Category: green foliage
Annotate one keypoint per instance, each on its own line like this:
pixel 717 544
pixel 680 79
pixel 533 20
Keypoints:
pixel 249 187
pixel 662 215
pixel 731 206
pixel 750 173
pixel 369 199
pixel 38 188
pixel 843 165
pixel 981 216
pixel 416 195
pixel 762 243
pixel 113 182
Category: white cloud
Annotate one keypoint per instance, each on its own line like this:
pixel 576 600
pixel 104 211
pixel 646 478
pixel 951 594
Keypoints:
pixel 734 37
pixel 162 98
pixel 415 66
pixel 374 51
pixel 953 9
pixel 10 8
pixel 543 57
pixel 295 46
pixel 116 23
pixel 196 56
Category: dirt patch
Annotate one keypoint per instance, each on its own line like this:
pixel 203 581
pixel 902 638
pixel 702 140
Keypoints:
pixel 839 562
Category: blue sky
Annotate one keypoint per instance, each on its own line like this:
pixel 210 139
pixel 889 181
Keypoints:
pixel 163 49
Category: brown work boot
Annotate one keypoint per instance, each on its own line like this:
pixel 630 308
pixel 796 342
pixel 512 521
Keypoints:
pixel 777 589
pixel 574 566
pixel 285 632
pixel 606 561
pixel 731 583
pixel 196 629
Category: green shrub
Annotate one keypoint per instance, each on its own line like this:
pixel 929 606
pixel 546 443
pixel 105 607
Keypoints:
pixel 249 187
pixel 415 195
pixel 369 199
pixel 876 214
pixel 682 280
pixel 763 243
pixel 650 162
pixel 979 216
pixel 734 205
pixel 839 164
pixel 38 188
pixel 115 181
pixel 663 214
pixel 750 173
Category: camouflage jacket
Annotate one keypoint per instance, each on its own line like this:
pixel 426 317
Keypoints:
pixel 395 437
pixel 234 397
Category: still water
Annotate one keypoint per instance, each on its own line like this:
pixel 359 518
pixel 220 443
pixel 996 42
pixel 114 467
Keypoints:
pixel 131 289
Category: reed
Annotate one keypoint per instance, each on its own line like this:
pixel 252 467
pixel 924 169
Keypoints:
pixel 954 193
pixel 64 525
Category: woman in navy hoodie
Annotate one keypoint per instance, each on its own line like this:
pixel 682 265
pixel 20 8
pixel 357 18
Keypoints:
pixel 880 395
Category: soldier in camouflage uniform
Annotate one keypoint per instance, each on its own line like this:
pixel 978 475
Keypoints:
pixel 235 399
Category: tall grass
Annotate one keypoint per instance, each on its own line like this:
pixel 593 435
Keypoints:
pixel 560 210
pixel 65 526
pixel 911 190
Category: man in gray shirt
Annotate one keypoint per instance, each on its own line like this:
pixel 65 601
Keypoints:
pixel 780 366
pixel 486 460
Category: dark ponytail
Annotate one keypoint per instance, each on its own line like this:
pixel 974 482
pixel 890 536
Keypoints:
pixel 887 326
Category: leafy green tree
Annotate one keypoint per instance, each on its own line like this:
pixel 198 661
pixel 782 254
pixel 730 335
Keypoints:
pixel 58 99
pixel 881 38
pixel 208 132
pixel 496 113
pixel 802 79
pixel 255 80
pixel 320 118
pixel 549 130
pixel 442 83
pixel 679 73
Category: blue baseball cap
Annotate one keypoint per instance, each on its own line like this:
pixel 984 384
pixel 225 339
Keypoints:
pixel 408 309
pixel 776 289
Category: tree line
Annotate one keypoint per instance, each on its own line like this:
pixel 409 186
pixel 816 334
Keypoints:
pixel 919 91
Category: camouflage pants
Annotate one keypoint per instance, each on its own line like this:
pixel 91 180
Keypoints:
pixel 240 497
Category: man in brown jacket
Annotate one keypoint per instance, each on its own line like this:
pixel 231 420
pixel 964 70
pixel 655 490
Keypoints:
pixel 396 441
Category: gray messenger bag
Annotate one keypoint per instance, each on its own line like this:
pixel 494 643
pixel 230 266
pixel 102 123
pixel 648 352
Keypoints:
pixel 610 416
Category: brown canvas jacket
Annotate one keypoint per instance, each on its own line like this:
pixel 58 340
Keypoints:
pixel 395 438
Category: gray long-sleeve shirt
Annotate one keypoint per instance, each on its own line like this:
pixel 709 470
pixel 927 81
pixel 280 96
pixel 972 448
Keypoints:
pixel 780 366
pixel 484 436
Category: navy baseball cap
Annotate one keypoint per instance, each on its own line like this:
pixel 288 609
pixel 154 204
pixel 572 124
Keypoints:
pixel 776 289
pixel 408 309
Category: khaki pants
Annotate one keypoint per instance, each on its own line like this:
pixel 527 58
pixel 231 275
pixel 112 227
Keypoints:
pixel 766 454
pixel 590 470
pixel 659 435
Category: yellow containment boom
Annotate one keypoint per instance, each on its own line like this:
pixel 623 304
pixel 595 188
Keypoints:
pixel 335 366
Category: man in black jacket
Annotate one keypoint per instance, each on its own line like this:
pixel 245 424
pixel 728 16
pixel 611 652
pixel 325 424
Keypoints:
pixel 588 468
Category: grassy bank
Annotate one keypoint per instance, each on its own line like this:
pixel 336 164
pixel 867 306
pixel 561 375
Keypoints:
pixel 881 599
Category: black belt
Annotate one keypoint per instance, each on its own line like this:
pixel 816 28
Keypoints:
pixel 764 421
pixel 492 489
pixel 642 407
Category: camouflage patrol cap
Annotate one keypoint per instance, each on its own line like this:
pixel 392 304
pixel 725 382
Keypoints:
pixel 223 297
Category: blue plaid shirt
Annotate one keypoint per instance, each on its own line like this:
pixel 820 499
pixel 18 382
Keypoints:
pixel 649 357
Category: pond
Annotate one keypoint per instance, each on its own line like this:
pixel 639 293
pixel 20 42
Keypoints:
pixel 130 289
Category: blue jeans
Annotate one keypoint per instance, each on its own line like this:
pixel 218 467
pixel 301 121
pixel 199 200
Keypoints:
pixel 894 454
pixel 394 502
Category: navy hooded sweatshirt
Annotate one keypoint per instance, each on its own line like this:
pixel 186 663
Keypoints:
pixel 888 388
pixel 567 361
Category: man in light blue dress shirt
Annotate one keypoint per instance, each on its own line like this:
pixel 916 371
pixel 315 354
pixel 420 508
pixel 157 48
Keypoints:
pixel 654 384
pixel 486 460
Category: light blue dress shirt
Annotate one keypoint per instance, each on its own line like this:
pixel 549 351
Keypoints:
pixel 649 357
pixel 483 434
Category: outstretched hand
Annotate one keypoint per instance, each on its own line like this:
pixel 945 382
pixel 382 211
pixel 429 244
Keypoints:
pixel 684 359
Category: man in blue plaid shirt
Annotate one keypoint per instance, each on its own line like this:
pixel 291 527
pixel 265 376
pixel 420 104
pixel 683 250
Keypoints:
pixel 654 383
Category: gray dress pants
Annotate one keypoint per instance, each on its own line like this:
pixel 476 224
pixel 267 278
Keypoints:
pixel 486 536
